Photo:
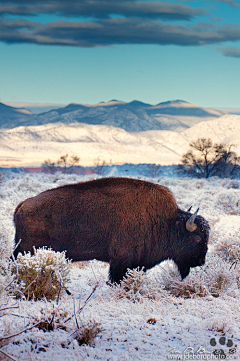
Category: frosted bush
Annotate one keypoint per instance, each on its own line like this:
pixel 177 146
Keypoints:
pixel 229 202
pixel 50 319
pixel 42 275
pixel 187 288
pixel 136 286
pixel 215 278
pixel 190 287
pixel 218 276
pixel 86 334
pixel 228 249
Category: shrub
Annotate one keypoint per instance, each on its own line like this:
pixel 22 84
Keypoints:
pixel 190 287
pixel 214 278
pixel 42 275
pixel 219 276
pixel 228 249
pixel 135 286
pixel 86 334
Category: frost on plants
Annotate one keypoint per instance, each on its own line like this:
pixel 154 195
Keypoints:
pixel 5 273
pixel 42 275
pixel 215 278
pixel 86 334
pixel 190 287
pixel 51 319
pixel 229 202
pixel 136 286
pixel 228 249
pixel 219 276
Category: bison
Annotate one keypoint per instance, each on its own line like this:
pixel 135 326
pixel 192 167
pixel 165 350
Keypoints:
pixel 123 221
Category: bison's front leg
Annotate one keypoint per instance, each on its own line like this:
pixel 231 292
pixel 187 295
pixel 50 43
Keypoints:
pixel 117 270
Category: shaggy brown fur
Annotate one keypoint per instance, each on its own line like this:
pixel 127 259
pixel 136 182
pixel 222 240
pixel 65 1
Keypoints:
pixel 126 222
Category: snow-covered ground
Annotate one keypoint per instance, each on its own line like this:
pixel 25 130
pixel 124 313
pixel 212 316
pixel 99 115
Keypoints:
pixel 160 328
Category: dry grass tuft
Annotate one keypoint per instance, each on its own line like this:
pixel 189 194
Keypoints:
pixel 86 334
pixel 50 320
pixel 188 288
pixel 219 325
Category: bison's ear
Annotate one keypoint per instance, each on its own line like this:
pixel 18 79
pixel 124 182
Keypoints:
pixel 190 225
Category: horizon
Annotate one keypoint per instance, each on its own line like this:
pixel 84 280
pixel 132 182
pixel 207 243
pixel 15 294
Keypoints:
pixel 89 51
pixel 38 108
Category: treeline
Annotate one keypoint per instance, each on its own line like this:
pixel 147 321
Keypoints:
pixel 67 164
pixel 204 159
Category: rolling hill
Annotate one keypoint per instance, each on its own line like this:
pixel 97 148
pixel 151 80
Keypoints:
pixel 31 145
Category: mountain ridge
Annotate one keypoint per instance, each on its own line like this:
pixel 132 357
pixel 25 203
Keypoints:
pixel 177 115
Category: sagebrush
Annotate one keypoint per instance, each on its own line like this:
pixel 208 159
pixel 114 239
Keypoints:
pixel 136 286
pixel 215 278
pixel 42 275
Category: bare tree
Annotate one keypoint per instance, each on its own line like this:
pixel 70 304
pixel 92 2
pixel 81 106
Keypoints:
pixel 49 166
pixel 206 159
pixel 228 164
pixel 65 164
pixel 100 167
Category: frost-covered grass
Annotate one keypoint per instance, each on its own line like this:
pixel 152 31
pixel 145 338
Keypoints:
pixel 152 313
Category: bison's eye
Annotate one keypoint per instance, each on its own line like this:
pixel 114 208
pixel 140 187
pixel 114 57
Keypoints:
pixel 197 239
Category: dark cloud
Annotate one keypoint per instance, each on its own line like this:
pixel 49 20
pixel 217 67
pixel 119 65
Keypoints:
pixel 101 9
pixel 232 52
pixel 110 32
pixel 113 22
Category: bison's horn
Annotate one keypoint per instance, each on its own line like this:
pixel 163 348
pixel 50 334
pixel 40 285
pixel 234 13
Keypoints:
pixel 190 225
pixel 189 209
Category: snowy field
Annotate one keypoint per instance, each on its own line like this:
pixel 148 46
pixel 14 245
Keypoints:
pixel 155 324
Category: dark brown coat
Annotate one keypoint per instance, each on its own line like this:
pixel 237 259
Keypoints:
pixel 123 221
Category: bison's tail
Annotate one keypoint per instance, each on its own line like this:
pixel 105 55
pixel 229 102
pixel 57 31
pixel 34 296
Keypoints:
pixel 18 229
pixel 16 210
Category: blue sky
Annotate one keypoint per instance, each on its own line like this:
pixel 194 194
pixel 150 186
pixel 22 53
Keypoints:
pixel 87 51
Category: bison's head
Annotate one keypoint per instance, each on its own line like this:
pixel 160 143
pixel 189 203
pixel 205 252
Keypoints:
pixel 191 237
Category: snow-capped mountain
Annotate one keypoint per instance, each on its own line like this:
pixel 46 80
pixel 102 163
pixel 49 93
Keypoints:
pixel 11 117
pixel 31 145
pixel 133 117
